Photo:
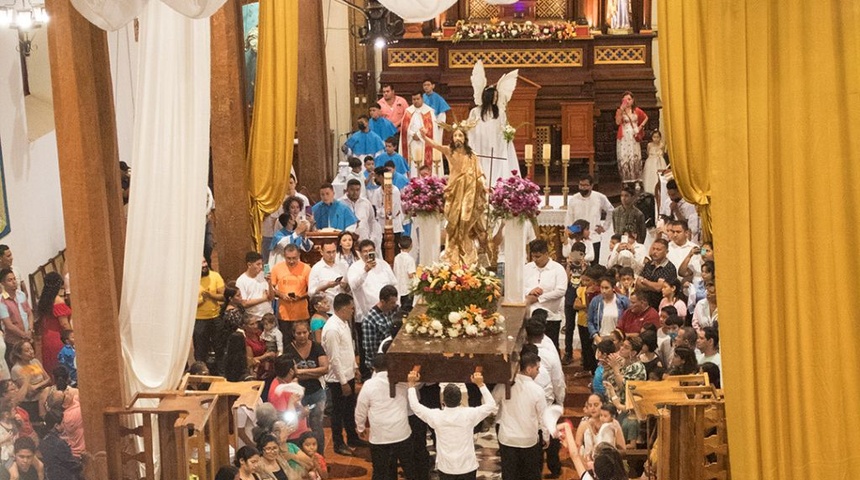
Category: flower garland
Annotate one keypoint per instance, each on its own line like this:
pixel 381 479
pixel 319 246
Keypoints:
pixel 515 197
pixel 470 322
pixel 424 195
pixel 556 31
pixel 460 300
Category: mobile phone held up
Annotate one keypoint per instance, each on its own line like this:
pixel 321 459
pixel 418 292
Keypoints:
pixel 371 257
pixel 266 269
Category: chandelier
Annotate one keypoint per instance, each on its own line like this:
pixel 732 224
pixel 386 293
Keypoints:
pixel 23 14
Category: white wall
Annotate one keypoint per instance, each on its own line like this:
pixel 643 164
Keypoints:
pixel 123 59
pixel 31 169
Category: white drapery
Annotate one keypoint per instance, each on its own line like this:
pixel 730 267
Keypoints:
pixel 514 249
pixel 167 205
pixel 114 14
pixel 414 11
pixel 429 233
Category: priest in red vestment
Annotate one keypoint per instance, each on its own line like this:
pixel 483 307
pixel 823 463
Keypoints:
pixel 418 116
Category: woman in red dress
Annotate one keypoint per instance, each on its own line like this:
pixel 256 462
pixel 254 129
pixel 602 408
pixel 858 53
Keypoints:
pixel 53 316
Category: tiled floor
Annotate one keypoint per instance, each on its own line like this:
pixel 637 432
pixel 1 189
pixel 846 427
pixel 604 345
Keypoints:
pixel 359 467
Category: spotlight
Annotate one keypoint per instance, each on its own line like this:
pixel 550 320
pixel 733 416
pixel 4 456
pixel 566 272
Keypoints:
pixel 379 43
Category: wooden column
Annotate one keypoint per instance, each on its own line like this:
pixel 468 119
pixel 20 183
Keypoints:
pixel 92 206
pixel 315 164
pixel 229 140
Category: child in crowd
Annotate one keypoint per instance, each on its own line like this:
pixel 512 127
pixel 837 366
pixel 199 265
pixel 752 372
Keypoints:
pixel 404 271
pixel 308 444
pixel 648 354
pixel 610 430
pixel 626 282
pixel 665 313
pixel 272 335
pixel 617 337
pixel 320 306
pixel 67 356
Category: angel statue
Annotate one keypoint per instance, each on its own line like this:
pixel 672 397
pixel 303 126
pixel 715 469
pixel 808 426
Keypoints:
pixel 498 156
pixel 465 197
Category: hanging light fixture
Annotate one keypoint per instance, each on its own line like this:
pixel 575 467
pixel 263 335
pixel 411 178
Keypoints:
pixel 23 14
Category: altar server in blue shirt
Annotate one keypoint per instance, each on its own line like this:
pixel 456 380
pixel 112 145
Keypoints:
pixel 390 155
pixel 363 141
pixel 381 125
pixel 330 213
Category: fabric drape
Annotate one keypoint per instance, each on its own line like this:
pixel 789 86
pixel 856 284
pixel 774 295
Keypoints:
pixel 687 119
pixel 112 15
pixel 273 127
pixel 769 100
pixel 414 11
pixel 167 203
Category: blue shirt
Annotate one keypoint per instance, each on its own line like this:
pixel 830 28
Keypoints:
pixel 303 243
pixel 399 180
pixel 400 165
pixel 436 102
pixel 364 143
pixel 20 299
pixel 67 358
pixel 382 127
pixel 336 215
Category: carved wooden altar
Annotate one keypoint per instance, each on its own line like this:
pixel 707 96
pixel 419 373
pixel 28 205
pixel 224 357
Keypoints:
pixel 568 90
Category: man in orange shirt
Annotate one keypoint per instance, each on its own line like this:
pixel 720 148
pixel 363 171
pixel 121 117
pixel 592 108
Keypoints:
pixel 290 280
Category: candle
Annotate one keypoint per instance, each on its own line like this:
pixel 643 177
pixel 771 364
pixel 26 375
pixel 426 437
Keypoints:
pixel 547 148
pixel 565 152
pixel 529 151
pixel 437 155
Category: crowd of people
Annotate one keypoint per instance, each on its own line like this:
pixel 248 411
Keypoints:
pixel 41 427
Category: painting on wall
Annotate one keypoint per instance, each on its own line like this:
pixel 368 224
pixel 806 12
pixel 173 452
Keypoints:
pixel 5 227
pixel 250 22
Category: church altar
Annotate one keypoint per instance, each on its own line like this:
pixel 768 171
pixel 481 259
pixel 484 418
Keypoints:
pixel 455 359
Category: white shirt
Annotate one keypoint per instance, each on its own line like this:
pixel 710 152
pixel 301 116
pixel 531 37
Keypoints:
pixel 323 273
pixel 338 346
pixel 589 208
pixel 677 254
pixel 687 211
pixel 625 258
pixel 367 226
pixel 715 359
pixel 377 198
pixel 356 176
pixel 366 285
pixel 455 445
pixel 552 278
pixel 389 418
pixel 253 289
pixel 703 316
pixel 550 376
pixel 520 416
pixel 404 267
pixel 610 316
pixel 566 248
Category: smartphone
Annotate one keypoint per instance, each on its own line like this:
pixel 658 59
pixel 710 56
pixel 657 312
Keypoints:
pixel 338 279
pixel 291 295
pixel 308 211
pixel 625 238
pixel 266 269
pixel 371 257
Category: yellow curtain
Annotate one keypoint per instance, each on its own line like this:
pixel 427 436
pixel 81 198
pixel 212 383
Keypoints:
pixel 763 101
pixel 273 127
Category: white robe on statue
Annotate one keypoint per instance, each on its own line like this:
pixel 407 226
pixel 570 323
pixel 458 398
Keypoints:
pixel 486 140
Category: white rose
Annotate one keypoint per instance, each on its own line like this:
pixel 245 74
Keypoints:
pixel 422 329
pixel 479 318
pixel 454 317
pixel 410 328
pixel 453 332
pixel 436 325
pixel 471 330
pixel 501 320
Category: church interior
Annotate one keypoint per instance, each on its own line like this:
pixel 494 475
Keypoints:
pixel 446 156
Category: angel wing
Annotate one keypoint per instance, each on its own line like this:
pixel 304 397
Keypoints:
pixel 479 81
pixel 506 86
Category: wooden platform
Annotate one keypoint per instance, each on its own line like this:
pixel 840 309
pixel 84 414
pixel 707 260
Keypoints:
pixel 455 359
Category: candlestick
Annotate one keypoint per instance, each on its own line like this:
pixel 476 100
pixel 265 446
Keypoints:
pixel 547 151
pixel 529 154
pixel 565 152
pixel 418 157
pixel 565 190
pixel 547 161
pixel 437 163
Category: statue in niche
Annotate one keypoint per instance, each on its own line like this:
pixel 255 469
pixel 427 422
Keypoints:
pixel 618 15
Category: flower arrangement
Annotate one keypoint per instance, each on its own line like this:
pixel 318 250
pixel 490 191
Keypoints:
pixel 468 291
pixel 509 133
pixel 515 197
pixel 424 195
pixel 473 321
pixel 494 30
